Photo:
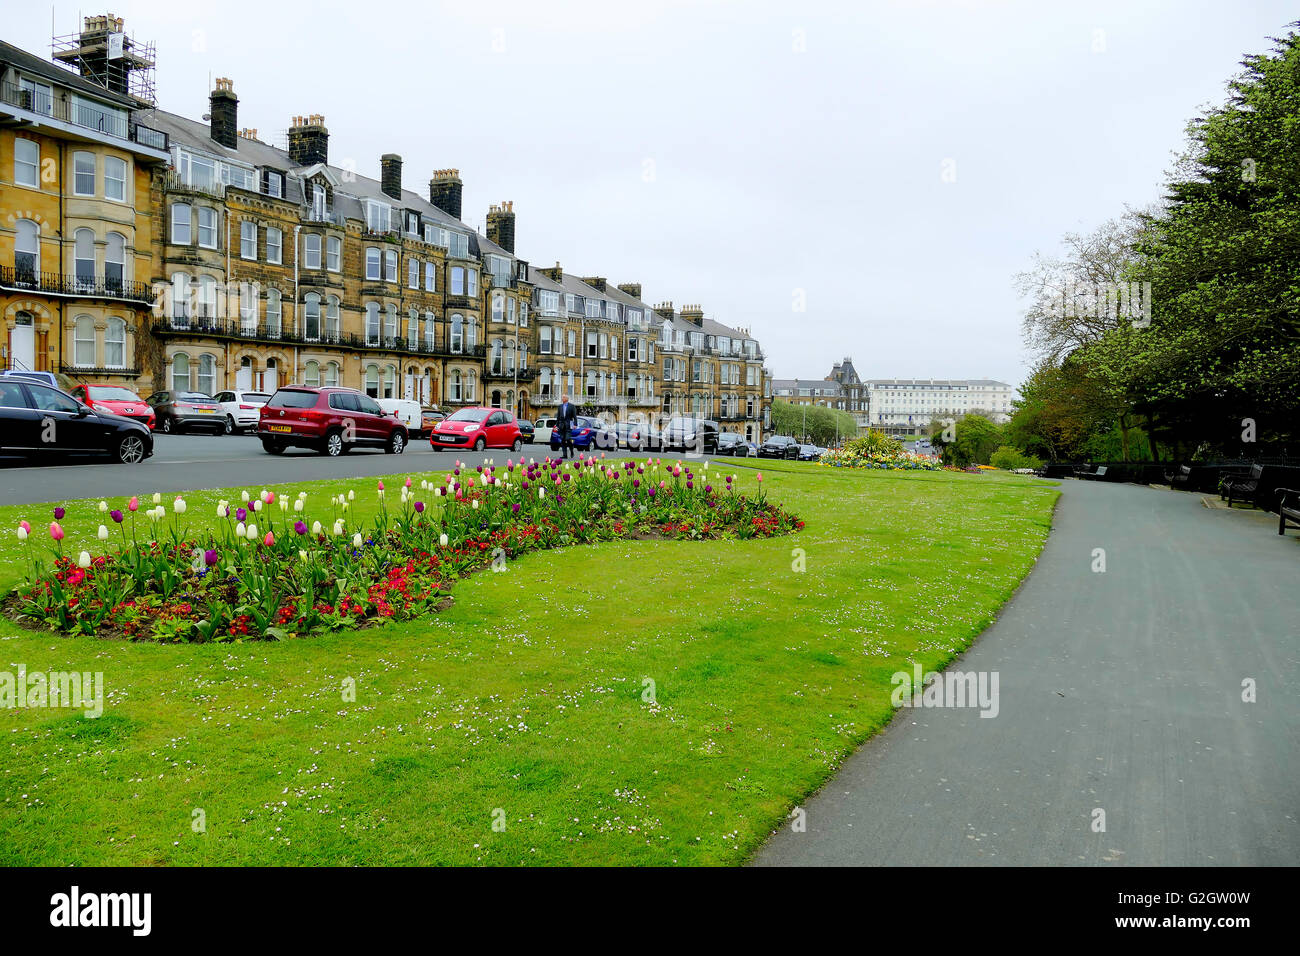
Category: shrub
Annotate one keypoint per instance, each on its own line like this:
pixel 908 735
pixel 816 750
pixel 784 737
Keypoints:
pixel 1012 458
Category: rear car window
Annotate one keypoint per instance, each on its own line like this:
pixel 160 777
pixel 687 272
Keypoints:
pixel 11 395
pixel 255 397
pixel 286 398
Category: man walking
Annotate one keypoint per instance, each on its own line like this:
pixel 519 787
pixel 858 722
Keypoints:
pixel 564 422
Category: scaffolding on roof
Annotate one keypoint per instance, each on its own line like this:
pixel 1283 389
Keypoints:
pixel 103 54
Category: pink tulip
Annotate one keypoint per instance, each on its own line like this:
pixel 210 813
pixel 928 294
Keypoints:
pixel 408 482
pixel 133 504
pixel 25 526
pixel 55 531
pixel 269 539
pixel 760 476
pixel 381 485
pixel 270 497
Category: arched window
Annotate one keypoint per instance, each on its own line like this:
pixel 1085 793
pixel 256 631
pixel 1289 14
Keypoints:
pixel 372 381
pixel 207 297
pixel 27 250
pixel 83 352
pixel 331 374
pixel 332 318
pixel 115 261
pixel 496 357
pixel 180 298
pixel 457 333
pixel 455 385
pixel 372 323
pixel 311 317
pixel 180 372
pixel 84 255
pixel 498 307
pixel 469 385
pixel 429 329
pixel 390 324
pixel 273 313
pixel 311 374
pixel 390 381
pixel 115 343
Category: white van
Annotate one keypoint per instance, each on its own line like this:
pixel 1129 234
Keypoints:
pixel 410 414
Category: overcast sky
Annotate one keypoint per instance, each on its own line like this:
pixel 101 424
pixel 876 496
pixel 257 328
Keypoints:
pixel 745 155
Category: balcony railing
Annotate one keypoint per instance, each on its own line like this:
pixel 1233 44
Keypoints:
pixel 85 371
pixel 235 329
pixel 114 124
pixel 87 287
pixel 506 375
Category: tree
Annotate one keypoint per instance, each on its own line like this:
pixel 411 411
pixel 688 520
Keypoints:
pixel 975 440
pixel 817 424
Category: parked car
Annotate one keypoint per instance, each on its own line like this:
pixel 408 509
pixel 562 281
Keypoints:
pixel 409 413
pixel 429 417
pixel 733 443
pixel 810 452
pixel 542 429
pixel 45 378
pixel 181 411
pixel 587 433
pixel 636 436
pixel 687 434
pixel 779 446
pixel 751 450
pixel 36 419
pixel 331 420
pixel 478 428
pixel 117 399
pixel 241 409
pixel 526 430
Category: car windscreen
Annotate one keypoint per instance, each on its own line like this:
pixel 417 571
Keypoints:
pixel 111 393
pixel 287 398
pixel 470 415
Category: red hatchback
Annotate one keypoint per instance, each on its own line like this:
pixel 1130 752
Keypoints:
pixel 116 399
pixel 331 421
pixel 478 428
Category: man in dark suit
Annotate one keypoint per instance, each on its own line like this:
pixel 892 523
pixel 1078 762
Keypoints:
pixel 565 420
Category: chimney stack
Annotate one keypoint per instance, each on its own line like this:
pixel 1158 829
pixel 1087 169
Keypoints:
pixel 631 288
pixel 501 225
pixel 224 110
pixel 693 313
pixel 596 282
pixel 445 191
pixel 555 275
pixel 390 177
pixel 309 140
pixel 664 310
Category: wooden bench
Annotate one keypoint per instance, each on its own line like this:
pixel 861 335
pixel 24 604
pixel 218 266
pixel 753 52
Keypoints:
pixel 1089 471
pixel 1180 478
pixel 1241 485
pixel 1288 508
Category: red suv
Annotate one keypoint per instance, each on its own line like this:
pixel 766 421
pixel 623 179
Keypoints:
pixel 478 428
pixel 330 420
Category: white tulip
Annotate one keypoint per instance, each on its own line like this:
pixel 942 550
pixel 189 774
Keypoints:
pixel 357 540
pixel 352 495
pixel 102 533
pixel 83 559
pixel 179 506
pixel 244 495
pixel 223 510
pixel 284 504
pixel 257 505
pixel 475 504
pixel 302 555
pixel 541 492
pixel 103 506
pixel 297 505
pixel 442 540
pixel 302 496
pixel 252 532
pixel 22 534
pixel 240 530
pixel 157 498
pixel 315 527
pixel 345 506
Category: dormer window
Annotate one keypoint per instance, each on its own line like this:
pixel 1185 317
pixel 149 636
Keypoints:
pixel 379 216
pixel 273 183
pixel 318 197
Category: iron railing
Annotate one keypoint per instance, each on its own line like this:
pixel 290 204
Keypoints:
pixel 84 115
pixel 234 329
pixel 89 287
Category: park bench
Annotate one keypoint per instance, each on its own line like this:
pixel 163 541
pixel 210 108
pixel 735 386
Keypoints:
pixel 1241 485
pixel 1182 478
pixel 1288 508
pixel 1096 472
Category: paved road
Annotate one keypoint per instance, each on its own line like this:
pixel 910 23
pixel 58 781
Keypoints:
pixel 1119 690
pixel 186 462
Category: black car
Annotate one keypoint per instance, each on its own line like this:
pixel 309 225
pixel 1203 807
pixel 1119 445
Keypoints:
pixel 779 446
pixel 810 452
pixel 691 434
pixel 37 419
pixel 184 411
pixel 526 429
pixel 731 443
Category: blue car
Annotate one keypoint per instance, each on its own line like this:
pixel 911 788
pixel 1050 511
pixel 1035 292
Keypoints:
pixel 587 433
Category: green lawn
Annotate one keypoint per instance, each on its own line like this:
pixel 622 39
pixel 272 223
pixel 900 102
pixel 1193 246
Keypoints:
pixel 523 703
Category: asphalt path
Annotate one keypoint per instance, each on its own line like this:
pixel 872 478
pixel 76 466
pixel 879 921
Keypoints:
pixel 187 462
pixel 1120 691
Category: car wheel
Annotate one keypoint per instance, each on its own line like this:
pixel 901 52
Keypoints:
pixel 333 444
pixel 272 447
pixel 396 443
pixel 230 425
pixel 167 426
pixel 130 450
pixel 480 443
pixel 519 444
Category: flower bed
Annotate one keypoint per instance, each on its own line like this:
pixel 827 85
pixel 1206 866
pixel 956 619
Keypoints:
pixel 275 567
pixel 892 460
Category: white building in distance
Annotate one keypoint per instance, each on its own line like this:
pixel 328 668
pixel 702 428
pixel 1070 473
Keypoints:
pixel 906 406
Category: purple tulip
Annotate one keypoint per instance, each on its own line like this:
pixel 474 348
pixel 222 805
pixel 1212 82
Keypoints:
pixel 515 508
pixel 300 527
pixel 567 477
pixel 419 507
pixel 241 514
pixel 58 514
pixel 209 558
pixel 116 516
pixel 636 482
pixel 690 484
pixel 708 488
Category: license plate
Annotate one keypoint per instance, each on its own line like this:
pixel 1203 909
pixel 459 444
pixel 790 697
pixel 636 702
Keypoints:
pixel 279 428
pixel 205 411
pixel 446 438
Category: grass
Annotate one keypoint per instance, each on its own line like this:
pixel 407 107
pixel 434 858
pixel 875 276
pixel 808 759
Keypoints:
pixel 652 702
